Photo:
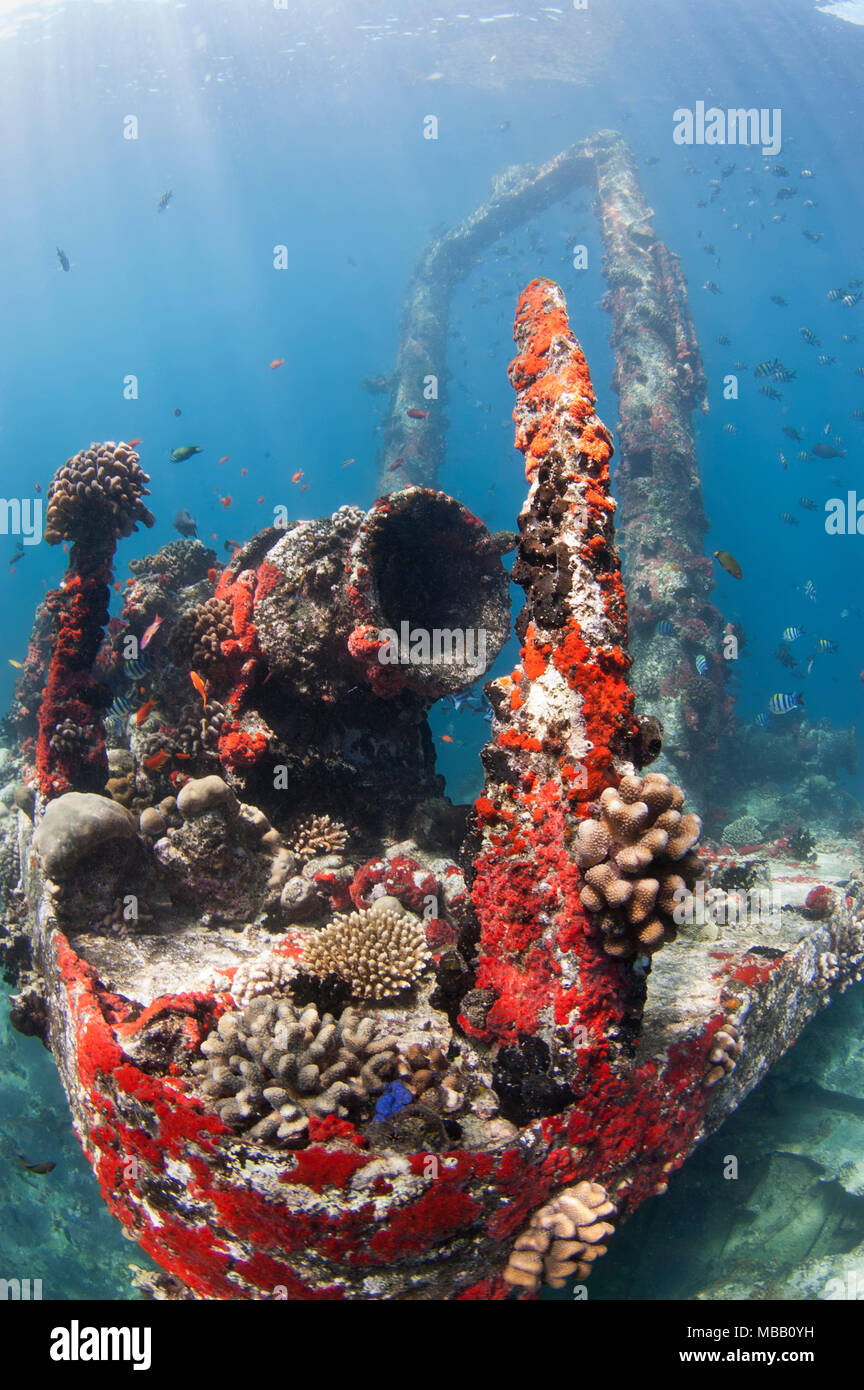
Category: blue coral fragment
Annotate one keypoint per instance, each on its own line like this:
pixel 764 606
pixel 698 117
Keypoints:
pixel 391 1100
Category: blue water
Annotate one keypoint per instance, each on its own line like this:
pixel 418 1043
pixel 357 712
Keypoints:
pixel 300 129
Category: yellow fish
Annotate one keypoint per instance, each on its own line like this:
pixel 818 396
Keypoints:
pixel 19 665
pixel 729 563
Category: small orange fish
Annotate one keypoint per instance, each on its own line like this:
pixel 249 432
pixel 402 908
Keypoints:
pixel 277 362
pixel 445 738
pixel 243 472
pixel 37 487
pixel 213 536
pixel 414 414
pixel 117 588
pixel 225 458
pixel 226 500
pixel 133 442
pixel 158 760
pixel 146 709
pixel 295 477
pixel 260 499
pixel 199 686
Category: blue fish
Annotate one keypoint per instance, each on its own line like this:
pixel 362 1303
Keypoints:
pixel 665 628
pixel 457 702
pixel 762 719
pixel 791 634
pixel 701 664
pixel 825 644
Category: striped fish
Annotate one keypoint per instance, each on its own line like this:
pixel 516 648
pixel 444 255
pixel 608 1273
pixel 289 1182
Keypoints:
pixel 784 702
pixel 665 628
pixel 134 670
pixel 701 664
pixel 825 644
pixel 791 634
pixel 762 719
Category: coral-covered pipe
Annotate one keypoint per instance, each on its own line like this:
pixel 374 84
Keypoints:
pixel 70 749
pixel 94 498
pixel 564 725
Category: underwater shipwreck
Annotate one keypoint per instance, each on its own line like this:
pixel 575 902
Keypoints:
pixel 323 1033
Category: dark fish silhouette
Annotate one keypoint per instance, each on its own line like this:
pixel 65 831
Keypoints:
pixel 63 259
pixel 186 524
pixel 46 1167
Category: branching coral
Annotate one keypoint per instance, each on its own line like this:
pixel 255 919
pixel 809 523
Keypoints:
pixel 635 854
pixel 97 493
pixel 746 830
pixel 197 639
pixel 269 1067
pixel 197 733
pixel 180 563
pixel 262 975
pixel 379 952
pixel 318 835
pixel 724 1054
pixel 563 1238
pixel 430 1078
pixel 68 738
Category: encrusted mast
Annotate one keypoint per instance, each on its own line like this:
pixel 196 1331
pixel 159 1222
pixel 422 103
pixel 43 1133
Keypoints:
pixel 659 380
pixel 562 800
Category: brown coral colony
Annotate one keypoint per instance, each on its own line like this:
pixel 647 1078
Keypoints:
pixel 564 1238
pixel 97 491
pixel 635 852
